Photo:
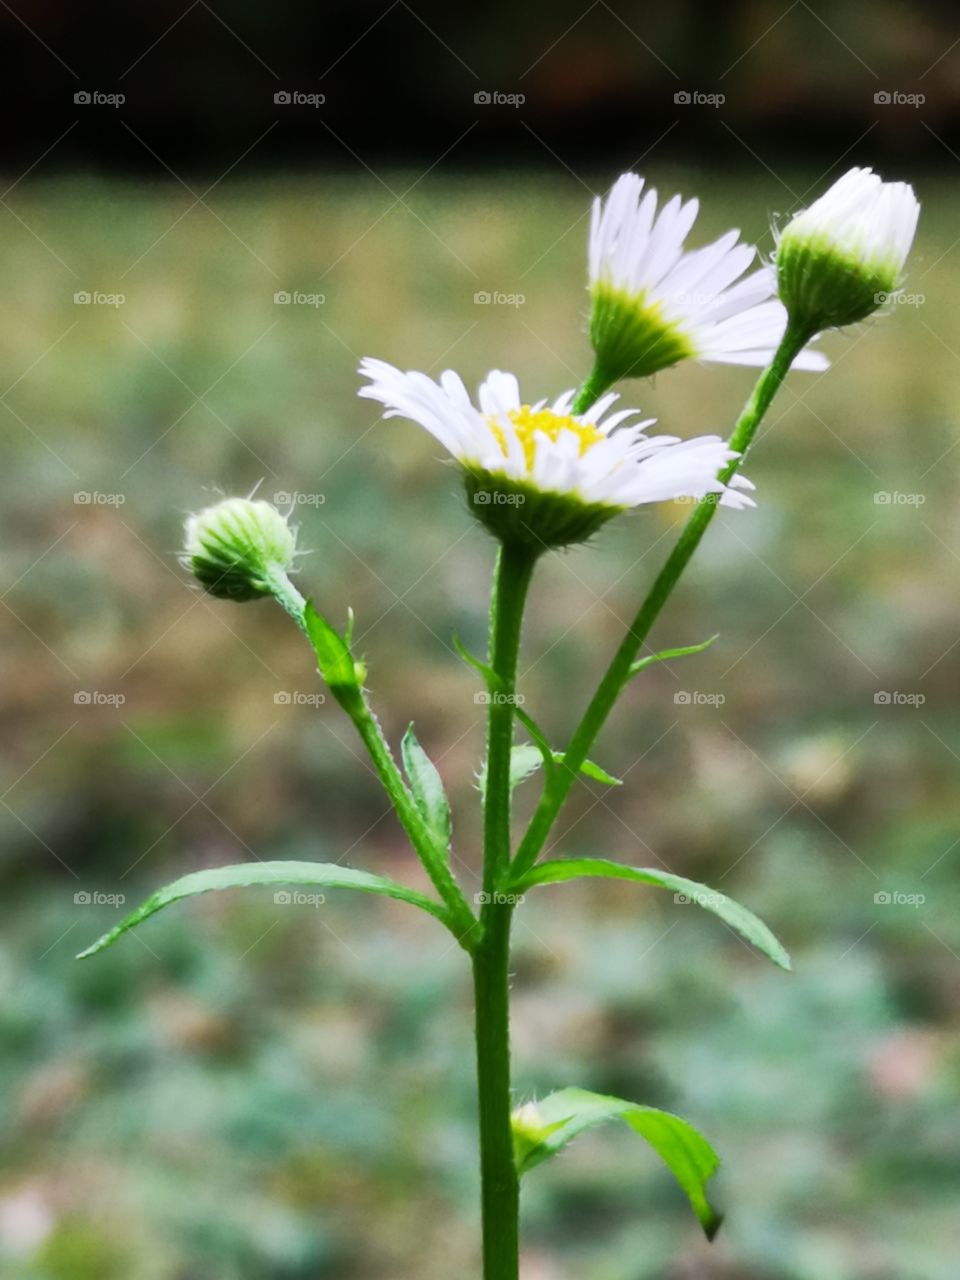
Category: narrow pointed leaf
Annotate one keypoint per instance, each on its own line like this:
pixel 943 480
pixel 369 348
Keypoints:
pixel 527 757
pixel 333 655
pixel 427 788
pixel 591 770
pixel 326 875
pixel 732 913
pixel 666 654
pixel 538 736
pixel 490 678
pixel 545 1128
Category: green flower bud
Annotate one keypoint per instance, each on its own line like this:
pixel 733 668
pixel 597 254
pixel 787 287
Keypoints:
pixel 530 1130
pixel 241 549
pixel 842 258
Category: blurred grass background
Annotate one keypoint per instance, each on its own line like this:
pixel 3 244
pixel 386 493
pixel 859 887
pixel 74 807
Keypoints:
pixel 250 1090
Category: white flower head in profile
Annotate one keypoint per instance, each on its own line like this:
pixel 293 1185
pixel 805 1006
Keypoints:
pixel 842 258
pixel 537 472
pixel 655 303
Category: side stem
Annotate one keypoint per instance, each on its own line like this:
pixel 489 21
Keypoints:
pixel 618 673
pixel 462 921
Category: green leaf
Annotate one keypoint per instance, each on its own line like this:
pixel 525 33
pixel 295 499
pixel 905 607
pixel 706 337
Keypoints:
pixel 544 1128
pixel 333 656
pixel 525 760
pixel 666 654
pixel 490 677
pixel 732 913
pixel 549 757
pixel 527 757
pixel 326 875
pixel 427 788
pixel 538 736
pixel 591 770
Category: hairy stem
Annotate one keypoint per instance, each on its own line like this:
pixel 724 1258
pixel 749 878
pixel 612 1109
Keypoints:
pixel 491 959
pixel 460 918
pixel 618 673
pixel 592 389
pixel 500 1187
pixel 511 582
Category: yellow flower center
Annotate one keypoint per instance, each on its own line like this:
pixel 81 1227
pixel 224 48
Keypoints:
pixel 527 422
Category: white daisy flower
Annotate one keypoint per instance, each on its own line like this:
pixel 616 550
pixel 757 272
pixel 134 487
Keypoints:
pixel 540 472
pixel 655 304
pixel 841 258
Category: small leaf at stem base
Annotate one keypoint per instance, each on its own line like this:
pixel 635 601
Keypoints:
pixel 542 1129
pixel 333 654
pixel 426 786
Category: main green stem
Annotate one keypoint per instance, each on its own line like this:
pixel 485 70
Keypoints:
pixel 618 673
pixel 500 1186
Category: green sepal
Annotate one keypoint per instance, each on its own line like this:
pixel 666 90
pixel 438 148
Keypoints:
pixel 543 1129
pixel 823 288
pixel 519 513
pixel 738 917
pixel 426 787
pixel 631 336
pixel 329 875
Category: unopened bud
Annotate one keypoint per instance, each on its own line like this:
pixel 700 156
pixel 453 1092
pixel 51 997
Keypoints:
pixel 839 260
pixel 240 549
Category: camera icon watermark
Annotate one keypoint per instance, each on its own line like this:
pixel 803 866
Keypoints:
pixel 894 498
pixel 696 98
pixel 298 298
pixel 285 498
pixel 700 898
pixel 899 298
pixel 495 98
pixel 94 498
pixel 498 899
pixel 498 298
pixel 298 898
pixel 297 98
pixel 698 698
pixel 96 698
pixel 498 498
pixel 97 298
pixel 298 698
pixel 897 98
pixel 896 698
pixel 96 98
pixel 894 898
pixel 94 898
pixel 484 698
